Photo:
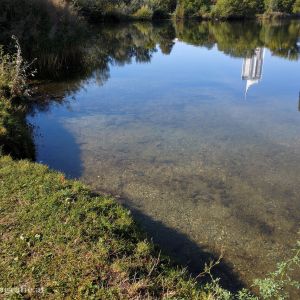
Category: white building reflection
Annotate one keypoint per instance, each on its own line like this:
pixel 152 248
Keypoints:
pixel 253 68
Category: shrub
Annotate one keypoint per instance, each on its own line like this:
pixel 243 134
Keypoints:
pixel 162 8
pixel 277 284
pixel 284 6
pixel 15 133
pixel 296 7
pixel 13 73
pixel 237 8
pixel 144 13
pixel 193 8
pixel 45 29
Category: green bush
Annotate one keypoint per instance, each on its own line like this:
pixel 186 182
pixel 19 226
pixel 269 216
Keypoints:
pixel 162 8
pixel 193 8
pixel 15 134
pixel 45 29
pixel 284 6
pixel 141 9
pixel 13 73
pixel 296 7
pixel 237 8
pixel 144 13
pixel 233 8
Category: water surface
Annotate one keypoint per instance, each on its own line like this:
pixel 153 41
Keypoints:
pixel 196 127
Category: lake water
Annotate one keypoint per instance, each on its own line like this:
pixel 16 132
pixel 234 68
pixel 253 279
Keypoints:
pixel 195 127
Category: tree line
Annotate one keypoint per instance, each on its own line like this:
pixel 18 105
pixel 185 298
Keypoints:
pixel 154 9
pixel 116 10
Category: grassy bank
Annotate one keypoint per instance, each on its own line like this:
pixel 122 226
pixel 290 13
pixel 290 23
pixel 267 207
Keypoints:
pixel 60 240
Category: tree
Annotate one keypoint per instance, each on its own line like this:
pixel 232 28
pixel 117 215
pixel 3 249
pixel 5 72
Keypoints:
pixel 195 8
pixel 296 7
pixel 285 6
pixel 237 8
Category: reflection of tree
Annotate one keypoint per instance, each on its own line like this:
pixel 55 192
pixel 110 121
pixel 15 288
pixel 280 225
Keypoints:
pixel 195 33
pixel 240 39
pixel 281 39
pixel 89 58
pixel 90 55
pixel 237 39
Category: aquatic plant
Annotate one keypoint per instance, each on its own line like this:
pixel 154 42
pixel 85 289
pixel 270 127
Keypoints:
pixel 276 284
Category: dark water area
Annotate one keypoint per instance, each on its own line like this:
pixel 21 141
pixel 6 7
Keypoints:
pixel 195 127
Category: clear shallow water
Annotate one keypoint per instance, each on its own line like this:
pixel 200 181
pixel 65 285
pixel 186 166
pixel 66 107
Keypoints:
pixel 162 120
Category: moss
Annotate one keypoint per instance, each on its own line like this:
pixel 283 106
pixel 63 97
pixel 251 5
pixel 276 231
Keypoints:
pixel 61 240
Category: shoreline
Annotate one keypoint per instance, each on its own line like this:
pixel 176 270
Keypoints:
pixel 130 19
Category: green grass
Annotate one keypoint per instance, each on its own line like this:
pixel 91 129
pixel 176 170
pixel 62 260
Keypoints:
pixel 59 237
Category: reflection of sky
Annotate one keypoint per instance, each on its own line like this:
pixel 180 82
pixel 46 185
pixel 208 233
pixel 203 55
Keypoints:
pixel 281 75
pixel 194 66
pixel 188 67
